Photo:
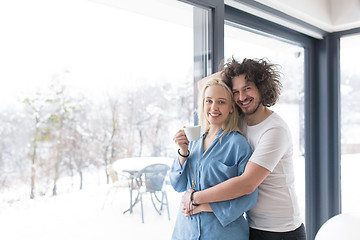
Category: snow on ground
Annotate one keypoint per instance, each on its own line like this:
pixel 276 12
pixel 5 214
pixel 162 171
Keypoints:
pixel 75 214
pixel 79 215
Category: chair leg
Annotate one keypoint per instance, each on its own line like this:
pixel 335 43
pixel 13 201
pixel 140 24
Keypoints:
pixel 142 210
pixel 114 194
pixel 167 205
pixel 153 202
pixel 131 200
pixel 162 201
pixel 107 194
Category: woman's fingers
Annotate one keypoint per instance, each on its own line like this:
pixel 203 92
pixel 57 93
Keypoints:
pixel 180 138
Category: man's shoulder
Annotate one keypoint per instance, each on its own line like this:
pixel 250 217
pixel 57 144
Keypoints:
pixel 275 120
pixel 272 124
pixel 275 128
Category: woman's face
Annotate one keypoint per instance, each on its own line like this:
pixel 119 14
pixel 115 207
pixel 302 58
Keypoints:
pixel 217 105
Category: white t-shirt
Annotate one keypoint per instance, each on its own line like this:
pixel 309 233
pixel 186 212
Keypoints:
pixel 277 207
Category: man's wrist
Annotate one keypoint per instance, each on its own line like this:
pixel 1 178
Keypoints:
pixel 192 199
pixel 195 200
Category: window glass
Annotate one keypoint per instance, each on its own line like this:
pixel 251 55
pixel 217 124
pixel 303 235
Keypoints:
pixel 350 121
pixel 240 44
pixel 86 84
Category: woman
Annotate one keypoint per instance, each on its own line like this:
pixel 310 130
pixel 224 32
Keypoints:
pixel 220 154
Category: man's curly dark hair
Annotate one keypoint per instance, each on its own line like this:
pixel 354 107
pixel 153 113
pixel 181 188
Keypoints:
pixel 264 74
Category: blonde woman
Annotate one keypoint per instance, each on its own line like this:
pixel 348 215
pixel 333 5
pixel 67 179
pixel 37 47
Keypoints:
pixel 220 154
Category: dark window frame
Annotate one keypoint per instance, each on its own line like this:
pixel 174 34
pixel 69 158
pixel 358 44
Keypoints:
pixel 322 97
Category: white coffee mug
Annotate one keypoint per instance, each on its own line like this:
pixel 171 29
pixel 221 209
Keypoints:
pixel 192 132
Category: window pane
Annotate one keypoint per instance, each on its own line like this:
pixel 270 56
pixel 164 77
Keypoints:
pixel 242 44
pixel 86 84
pixel 350 122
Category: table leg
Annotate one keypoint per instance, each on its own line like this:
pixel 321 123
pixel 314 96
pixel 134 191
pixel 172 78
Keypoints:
pixel 132 203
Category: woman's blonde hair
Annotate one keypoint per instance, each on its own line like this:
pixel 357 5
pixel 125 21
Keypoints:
pixel 231 123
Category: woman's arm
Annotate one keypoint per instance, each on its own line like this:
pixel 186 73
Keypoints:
pixel 181 140
pixel 177 172
pixel 232 188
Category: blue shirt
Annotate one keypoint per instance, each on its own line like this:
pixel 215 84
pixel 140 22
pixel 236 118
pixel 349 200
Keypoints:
pixel 224 159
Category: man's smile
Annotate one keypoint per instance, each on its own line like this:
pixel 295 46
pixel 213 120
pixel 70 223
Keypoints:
pixel 246 102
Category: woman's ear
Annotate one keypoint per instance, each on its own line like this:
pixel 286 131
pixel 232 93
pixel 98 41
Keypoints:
pixel 232 108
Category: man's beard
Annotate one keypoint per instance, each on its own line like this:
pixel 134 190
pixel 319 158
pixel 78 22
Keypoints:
pixel 250 112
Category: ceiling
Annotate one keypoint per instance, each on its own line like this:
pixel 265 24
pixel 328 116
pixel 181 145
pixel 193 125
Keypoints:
pixel 326 15
pixel 311 17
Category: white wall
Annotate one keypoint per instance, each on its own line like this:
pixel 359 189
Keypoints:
pixel 329 15
pixel 345 14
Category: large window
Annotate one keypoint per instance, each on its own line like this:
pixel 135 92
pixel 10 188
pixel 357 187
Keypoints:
pixel 86 83
pixel 350 122
pixel 240 44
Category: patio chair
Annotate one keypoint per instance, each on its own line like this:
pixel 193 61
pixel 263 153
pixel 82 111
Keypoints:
pixel 116 182
pixel 150 180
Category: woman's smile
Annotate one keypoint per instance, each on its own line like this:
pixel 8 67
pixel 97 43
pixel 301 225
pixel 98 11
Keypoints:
pixel 214 115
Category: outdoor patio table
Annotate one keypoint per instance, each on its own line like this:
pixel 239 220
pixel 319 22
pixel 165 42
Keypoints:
pixel 132 174
pixel 132 166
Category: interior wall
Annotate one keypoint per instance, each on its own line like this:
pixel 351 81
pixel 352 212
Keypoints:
pixel 345 15
pixel 329 15
pixel 315 12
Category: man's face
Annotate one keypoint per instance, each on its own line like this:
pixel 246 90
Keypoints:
pixel 246 94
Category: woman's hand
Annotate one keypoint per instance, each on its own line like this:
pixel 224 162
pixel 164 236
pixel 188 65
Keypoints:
pixel 188 209
pixel 186 202
pixel 197 209
pixel 181 140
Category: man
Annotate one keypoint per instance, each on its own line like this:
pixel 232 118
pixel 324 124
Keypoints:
pixel 256 86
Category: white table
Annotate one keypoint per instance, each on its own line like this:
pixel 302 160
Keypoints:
pixel 138 163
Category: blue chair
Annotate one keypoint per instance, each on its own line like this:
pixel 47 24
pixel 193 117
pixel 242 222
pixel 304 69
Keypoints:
pixel 150 180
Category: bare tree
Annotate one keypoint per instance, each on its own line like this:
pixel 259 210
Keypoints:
pixel 34 106
pixel 77 143
pixel 110 130
pixel 61 107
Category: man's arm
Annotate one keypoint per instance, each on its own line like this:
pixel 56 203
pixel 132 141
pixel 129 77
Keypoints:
pixel 202 82
pixel 272 146
pixel 232 188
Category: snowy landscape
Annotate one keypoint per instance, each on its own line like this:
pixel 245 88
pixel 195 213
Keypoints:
pixel 81 215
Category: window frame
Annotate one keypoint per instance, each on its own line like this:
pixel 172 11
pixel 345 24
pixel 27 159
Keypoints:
pixel 321 100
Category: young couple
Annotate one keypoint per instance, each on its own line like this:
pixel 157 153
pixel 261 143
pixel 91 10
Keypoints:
pixel 223 178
